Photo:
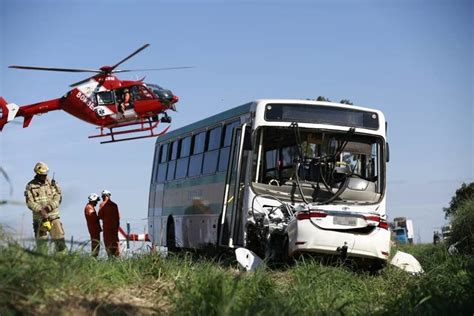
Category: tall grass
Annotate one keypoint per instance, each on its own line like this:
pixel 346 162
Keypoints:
pixel 32 283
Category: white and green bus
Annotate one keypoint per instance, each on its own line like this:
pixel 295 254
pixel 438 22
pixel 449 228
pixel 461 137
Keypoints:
pixel 279 177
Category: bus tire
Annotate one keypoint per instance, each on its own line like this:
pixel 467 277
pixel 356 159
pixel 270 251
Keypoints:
pixel 171 236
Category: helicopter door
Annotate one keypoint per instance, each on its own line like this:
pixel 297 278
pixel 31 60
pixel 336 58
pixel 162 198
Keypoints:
pixel 231 220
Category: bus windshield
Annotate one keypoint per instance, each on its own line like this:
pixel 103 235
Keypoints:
pixel 328 166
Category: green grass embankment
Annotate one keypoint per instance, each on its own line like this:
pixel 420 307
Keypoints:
pixel 31 283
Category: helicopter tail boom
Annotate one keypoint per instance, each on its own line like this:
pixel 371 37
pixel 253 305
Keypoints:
pixel 10 111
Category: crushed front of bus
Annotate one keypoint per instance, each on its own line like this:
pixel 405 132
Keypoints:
pixel 319 191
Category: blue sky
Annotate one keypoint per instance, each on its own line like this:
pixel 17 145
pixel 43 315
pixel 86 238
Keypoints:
pixel 411 59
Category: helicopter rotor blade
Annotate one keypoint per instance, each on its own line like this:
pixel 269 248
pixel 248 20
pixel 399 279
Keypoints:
pixel 81 82
pixel 152 69
pixel 130 56
pixel 55 69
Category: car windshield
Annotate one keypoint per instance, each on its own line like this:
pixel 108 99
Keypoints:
pixel 321 163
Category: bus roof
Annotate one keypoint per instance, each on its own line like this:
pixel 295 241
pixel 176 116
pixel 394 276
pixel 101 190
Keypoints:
pixel 245 108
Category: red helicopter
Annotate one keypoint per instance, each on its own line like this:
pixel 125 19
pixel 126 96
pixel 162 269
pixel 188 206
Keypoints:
pixel 119 106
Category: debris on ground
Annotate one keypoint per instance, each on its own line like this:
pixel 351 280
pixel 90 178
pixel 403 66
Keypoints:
pixel 248 259
pixel 407 262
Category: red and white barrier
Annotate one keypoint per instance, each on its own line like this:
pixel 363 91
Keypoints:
pixel 132 237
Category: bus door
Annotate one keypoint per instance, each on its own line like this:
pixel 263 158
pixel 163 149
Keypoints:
pixel 231 219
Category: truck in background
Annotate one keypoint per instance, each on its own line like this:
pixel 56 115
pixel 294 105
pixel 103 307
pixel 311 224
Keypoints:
pixel 443 235
pixel 402 230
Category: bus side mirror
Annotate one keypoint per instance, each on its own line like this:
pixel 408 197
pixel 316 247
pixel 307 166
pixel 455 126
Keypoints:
pixel 247 139
pixel 387 152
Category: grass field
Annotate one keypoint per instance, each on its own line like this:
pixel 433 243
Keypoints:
pixel 32 283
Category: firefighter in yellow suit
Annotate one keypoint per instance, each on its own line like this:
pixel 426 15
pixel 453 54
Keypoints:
pixel 43 197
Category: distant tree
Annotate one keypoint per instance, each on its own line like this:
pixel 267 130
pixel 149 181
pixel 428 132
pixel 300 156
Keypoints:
pixel 462 228
pixel 461 213
pixel 464 193
pixel 346 101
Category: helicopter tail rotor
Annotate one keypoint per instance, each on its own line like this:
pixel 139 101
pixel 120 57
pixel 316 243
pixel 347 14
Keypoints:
pixel 8 112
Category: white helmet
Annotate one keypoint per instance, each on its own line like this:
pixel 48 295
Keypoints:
pixel 93 197
pixel 106 192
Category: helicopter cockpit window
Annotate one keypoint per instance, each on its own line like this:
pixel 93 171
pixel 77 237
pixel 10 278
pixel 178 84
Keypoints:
pixel 155 88
pixel 142 93
pixel 106 97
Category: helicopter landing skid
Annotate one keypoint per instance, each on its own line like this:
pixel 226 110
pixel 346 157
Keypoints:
pixel 142 128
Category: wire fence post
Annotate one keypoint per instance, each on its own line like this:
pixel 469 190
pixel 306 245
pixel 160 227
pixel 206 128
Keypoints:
pixel 72 243
pixel 128 235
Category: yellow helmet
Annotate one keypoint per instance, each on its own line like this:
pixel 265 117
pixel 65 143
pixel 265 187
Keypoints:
pixel 41 168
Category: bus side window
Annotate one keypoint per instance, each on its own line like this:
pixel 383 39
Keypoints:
pixel 174 150
pixel 164 153
pixel 162 167
pixel 172 162
pixel 199 142
pixel 195 162
pixel 182 162
pixel 185 147
pixel 211 156
pixel 214 138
